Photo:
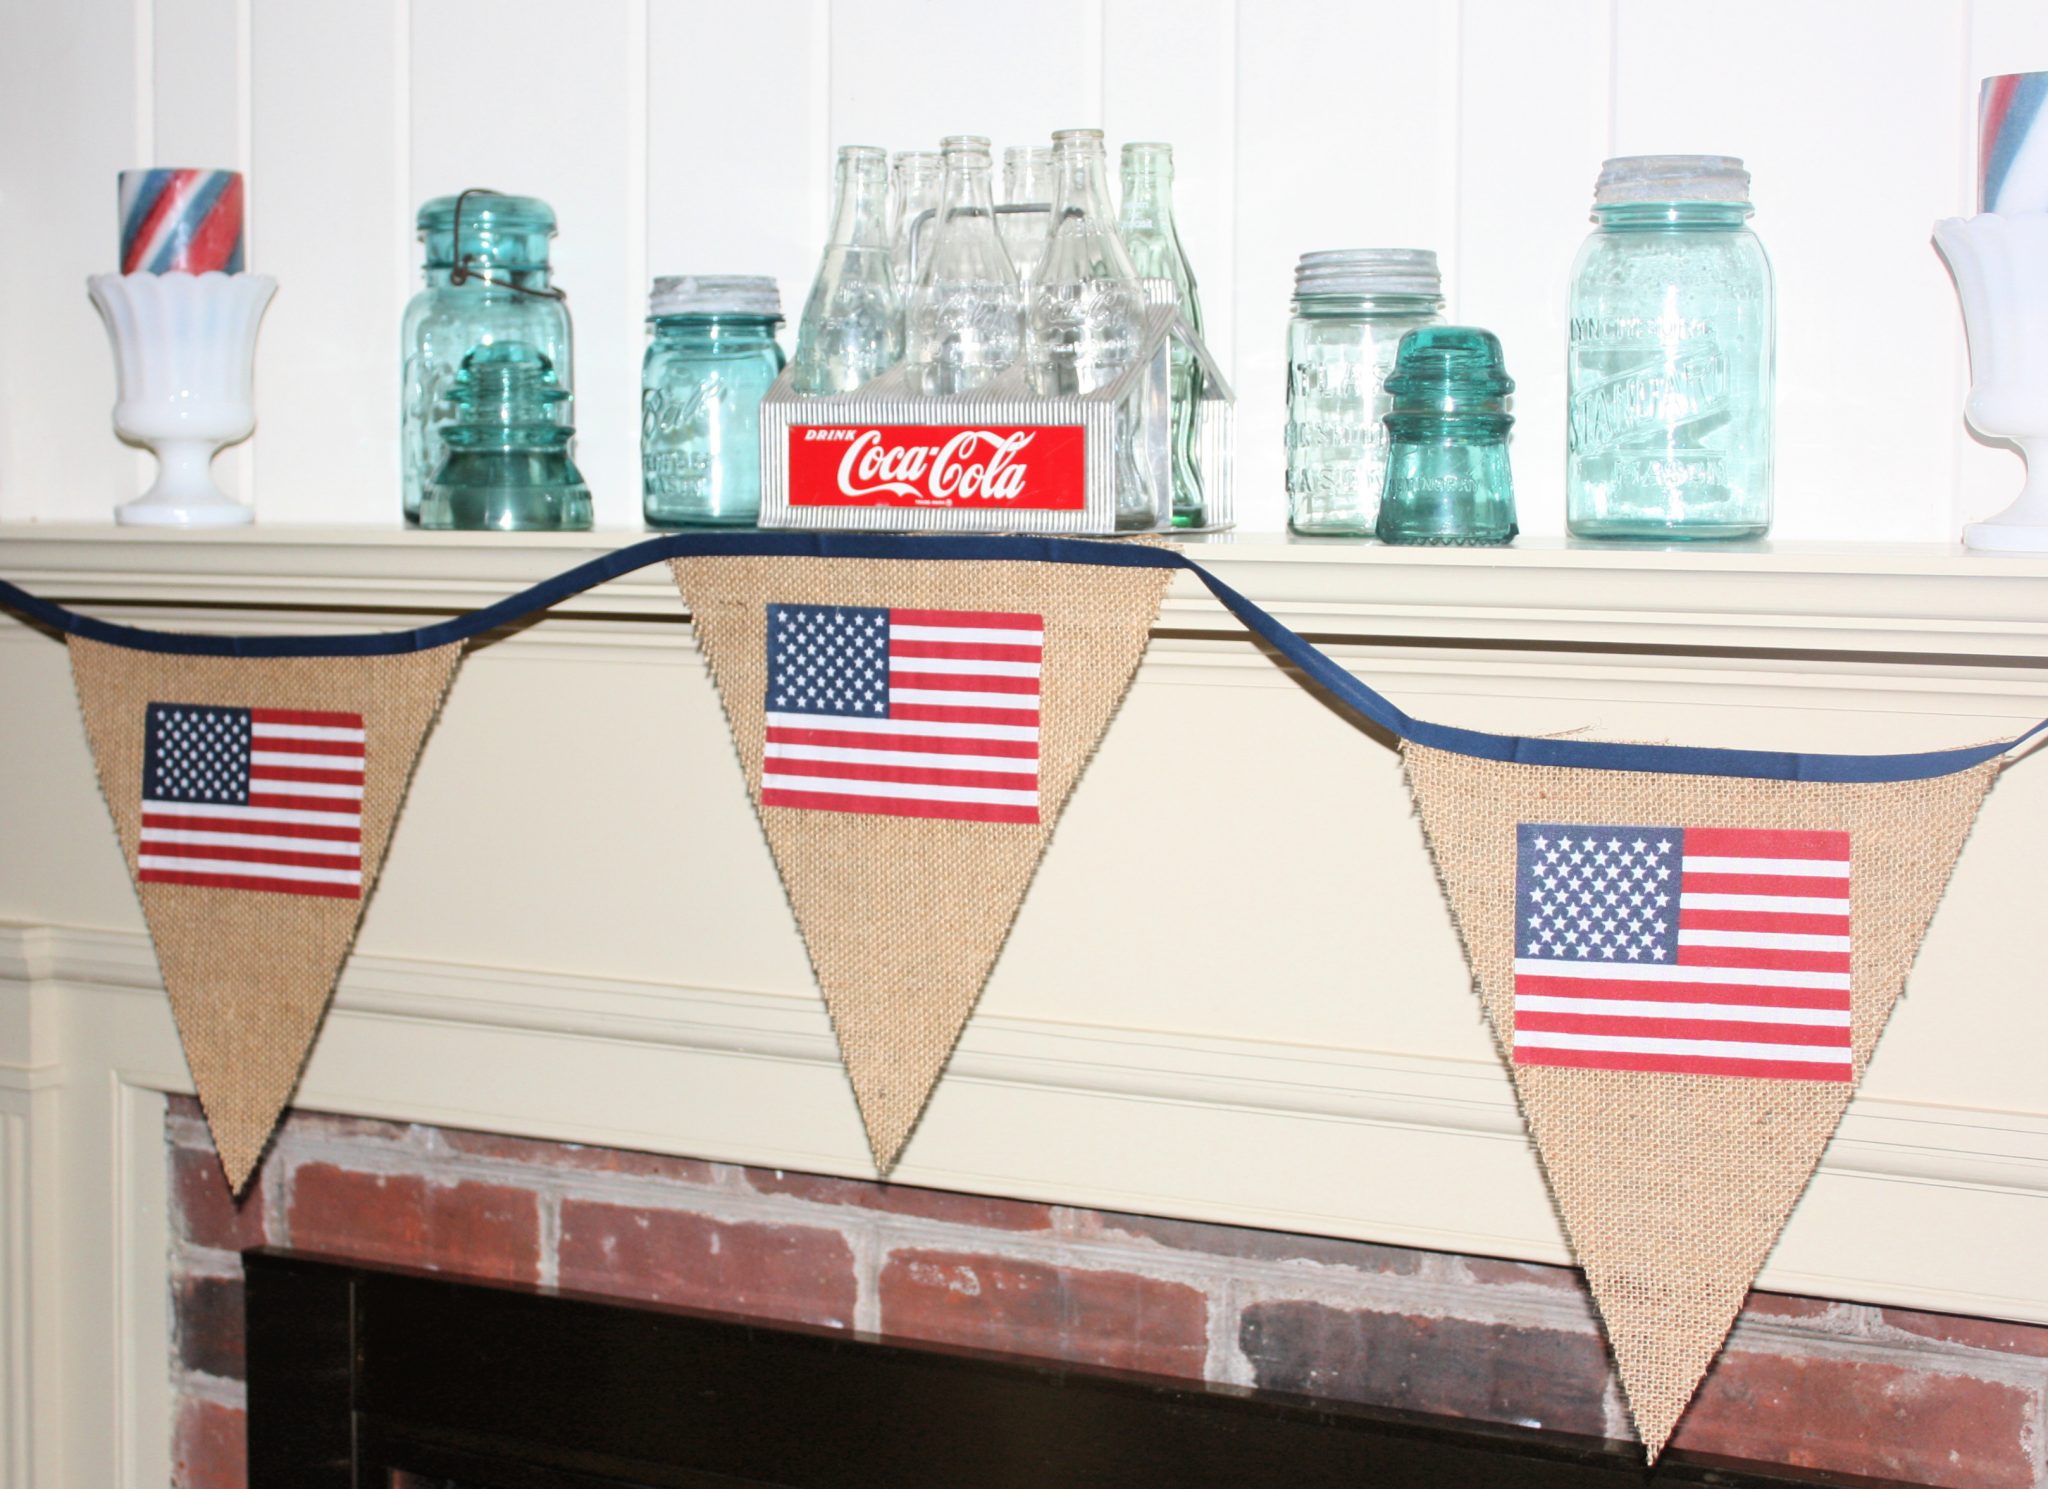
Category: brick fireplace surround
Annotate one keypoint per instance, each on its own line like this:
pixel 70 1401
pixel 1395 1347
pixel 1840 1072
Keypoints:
pixel 1882 1391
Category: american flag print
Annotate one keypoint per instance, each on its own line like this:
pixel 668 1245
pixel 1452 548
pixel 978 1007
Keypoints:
pixel 1694 950
pixel 903 713
pixel 266 799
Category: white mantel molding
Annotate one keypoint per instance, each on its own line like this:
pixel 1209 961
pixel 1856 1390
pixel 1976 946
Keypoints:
pixel 1891 599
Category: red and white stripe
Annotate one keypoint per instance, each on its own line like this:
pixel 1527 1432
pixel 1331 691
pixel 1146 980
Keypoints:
pixel 1760 985
pixel 302 831
pixel 961 738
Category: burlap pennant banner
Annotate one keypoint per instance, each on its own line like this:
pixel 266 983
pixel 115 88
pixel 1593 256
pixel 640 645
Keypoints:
pixel 254 798
pixel 910 732
pixel 1686 975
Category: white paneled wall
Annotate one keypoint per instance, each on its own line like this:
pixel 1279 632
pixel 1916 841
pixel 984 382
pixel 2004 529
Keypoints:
pixel 695 135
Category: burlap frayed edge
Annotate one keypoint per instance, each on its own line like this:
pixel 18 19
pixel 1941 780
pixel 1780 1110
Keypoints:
pixel 1503 1048
pixel 885 1163
pixel 239 1187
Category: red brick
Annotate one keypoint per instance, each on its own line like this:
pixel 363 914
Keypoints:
pixel 533 1153
pixel 1856 1417
pixel 796 1272
pixel 1999 1335
pixel 1061 1313
pixel 901 1199
pixel 210 1449
pixel 206 1211
pixel 1456 1367
pixel 479 1230
pixel 207 1323
pixel 1242 1243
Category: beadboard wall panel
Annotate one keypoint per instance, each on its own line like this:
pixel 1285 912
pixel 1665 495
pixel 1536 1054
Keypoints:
pixel 760 208
pixel 687 135
pixel 74 109
pixel 1344 138
pixel 532 98
pixel 1545 68
pixel 327 393
pixel 1852 164
pixel 1170 71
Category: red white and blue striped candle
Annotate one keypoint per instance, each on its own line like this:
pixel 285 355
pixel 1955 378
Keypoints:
pixel 181 221
pixel 2012 143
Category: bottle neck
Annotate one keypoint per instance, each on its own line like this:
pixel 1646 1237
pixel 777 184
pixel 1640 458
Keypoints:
pixel 860 218
pixel 1080 184
pixel 1148 192
pixel 1669 217
pixel 1028 176
pixel 968 191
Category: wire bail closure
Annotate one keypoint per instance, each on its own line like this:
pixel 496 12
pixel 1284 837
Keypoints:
pixel 462 273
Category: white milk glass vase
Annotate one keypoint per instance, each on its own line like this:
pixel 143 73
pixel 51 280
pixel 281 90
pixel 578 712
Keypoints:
pixel 184 358
pixel 2000 260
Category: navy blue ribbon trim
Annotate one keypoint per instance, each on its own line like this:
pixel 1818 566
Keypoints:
pixel 1582 754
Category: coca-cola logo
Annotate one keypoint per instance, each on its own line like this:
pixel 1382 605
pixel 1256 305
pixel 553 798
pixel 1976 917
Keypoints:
pixel 975 463
pixel 1035 467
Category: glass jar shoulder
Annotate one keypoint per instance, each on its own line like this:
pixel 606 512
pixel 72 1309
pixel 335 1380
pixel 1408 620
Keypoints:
pixel 675 353
pixel 1627 259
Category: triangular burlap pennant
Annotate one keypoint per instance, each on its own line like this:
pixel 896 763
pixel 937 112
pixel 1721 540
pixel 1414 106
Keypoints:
pixel 1673 1184
pixel 254 798
pixel 904 912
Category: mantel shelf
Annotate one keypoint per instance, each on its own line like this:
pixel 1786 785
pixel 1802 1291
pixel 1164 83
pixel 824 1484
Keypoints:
pixel 1890 600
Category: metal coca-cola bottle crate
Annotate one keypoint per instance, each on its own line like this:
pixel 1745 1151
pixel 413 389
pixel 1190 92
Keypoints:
pixel 1000 459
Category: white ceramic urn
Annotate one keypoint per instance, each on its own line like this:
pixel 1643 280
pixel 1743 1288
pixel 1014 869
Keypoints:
pixel 184 355
pixel 2000 261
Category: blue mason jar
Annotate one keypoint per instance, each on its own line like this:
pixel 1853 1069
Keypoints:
pixel 492 287
pixel 711 360
pixel 1672 354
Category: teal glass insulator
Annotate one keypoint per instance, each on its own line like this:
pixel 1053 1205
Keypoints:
pixel 1351 308
pixel 507 466
pixel 494 285
pixel 1448 483
pixel 1671 406
pixel 711 358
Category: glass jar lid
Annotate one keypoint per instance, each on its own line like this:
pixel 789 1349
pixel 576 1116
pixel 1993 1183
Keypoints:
pixel 716 294
pixel 1671 178
pixel 508 231
pixel 1369 271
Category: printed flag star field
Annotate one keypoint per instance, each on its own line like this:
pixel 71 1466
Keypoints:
pixel 905 713
pixel 253 798
pixel 1706 951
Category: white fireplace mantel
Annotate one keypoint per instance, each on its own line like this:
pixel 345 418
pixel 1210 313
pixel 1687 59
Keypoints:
pixel 1233 993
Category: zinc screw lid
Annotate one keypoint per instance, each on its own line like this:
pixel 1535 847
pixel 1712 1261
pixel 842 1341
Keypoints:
pixel 715 294
pixel 1369 271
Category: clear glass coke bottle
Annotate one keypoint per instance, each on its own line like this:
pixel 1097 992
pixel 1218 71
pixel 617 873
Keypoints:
pixel 965 319
pixel 1153 238
pixel 852 326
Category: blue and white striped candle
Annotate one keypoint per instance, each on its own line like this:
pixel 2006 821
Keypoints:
pixel 181 220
